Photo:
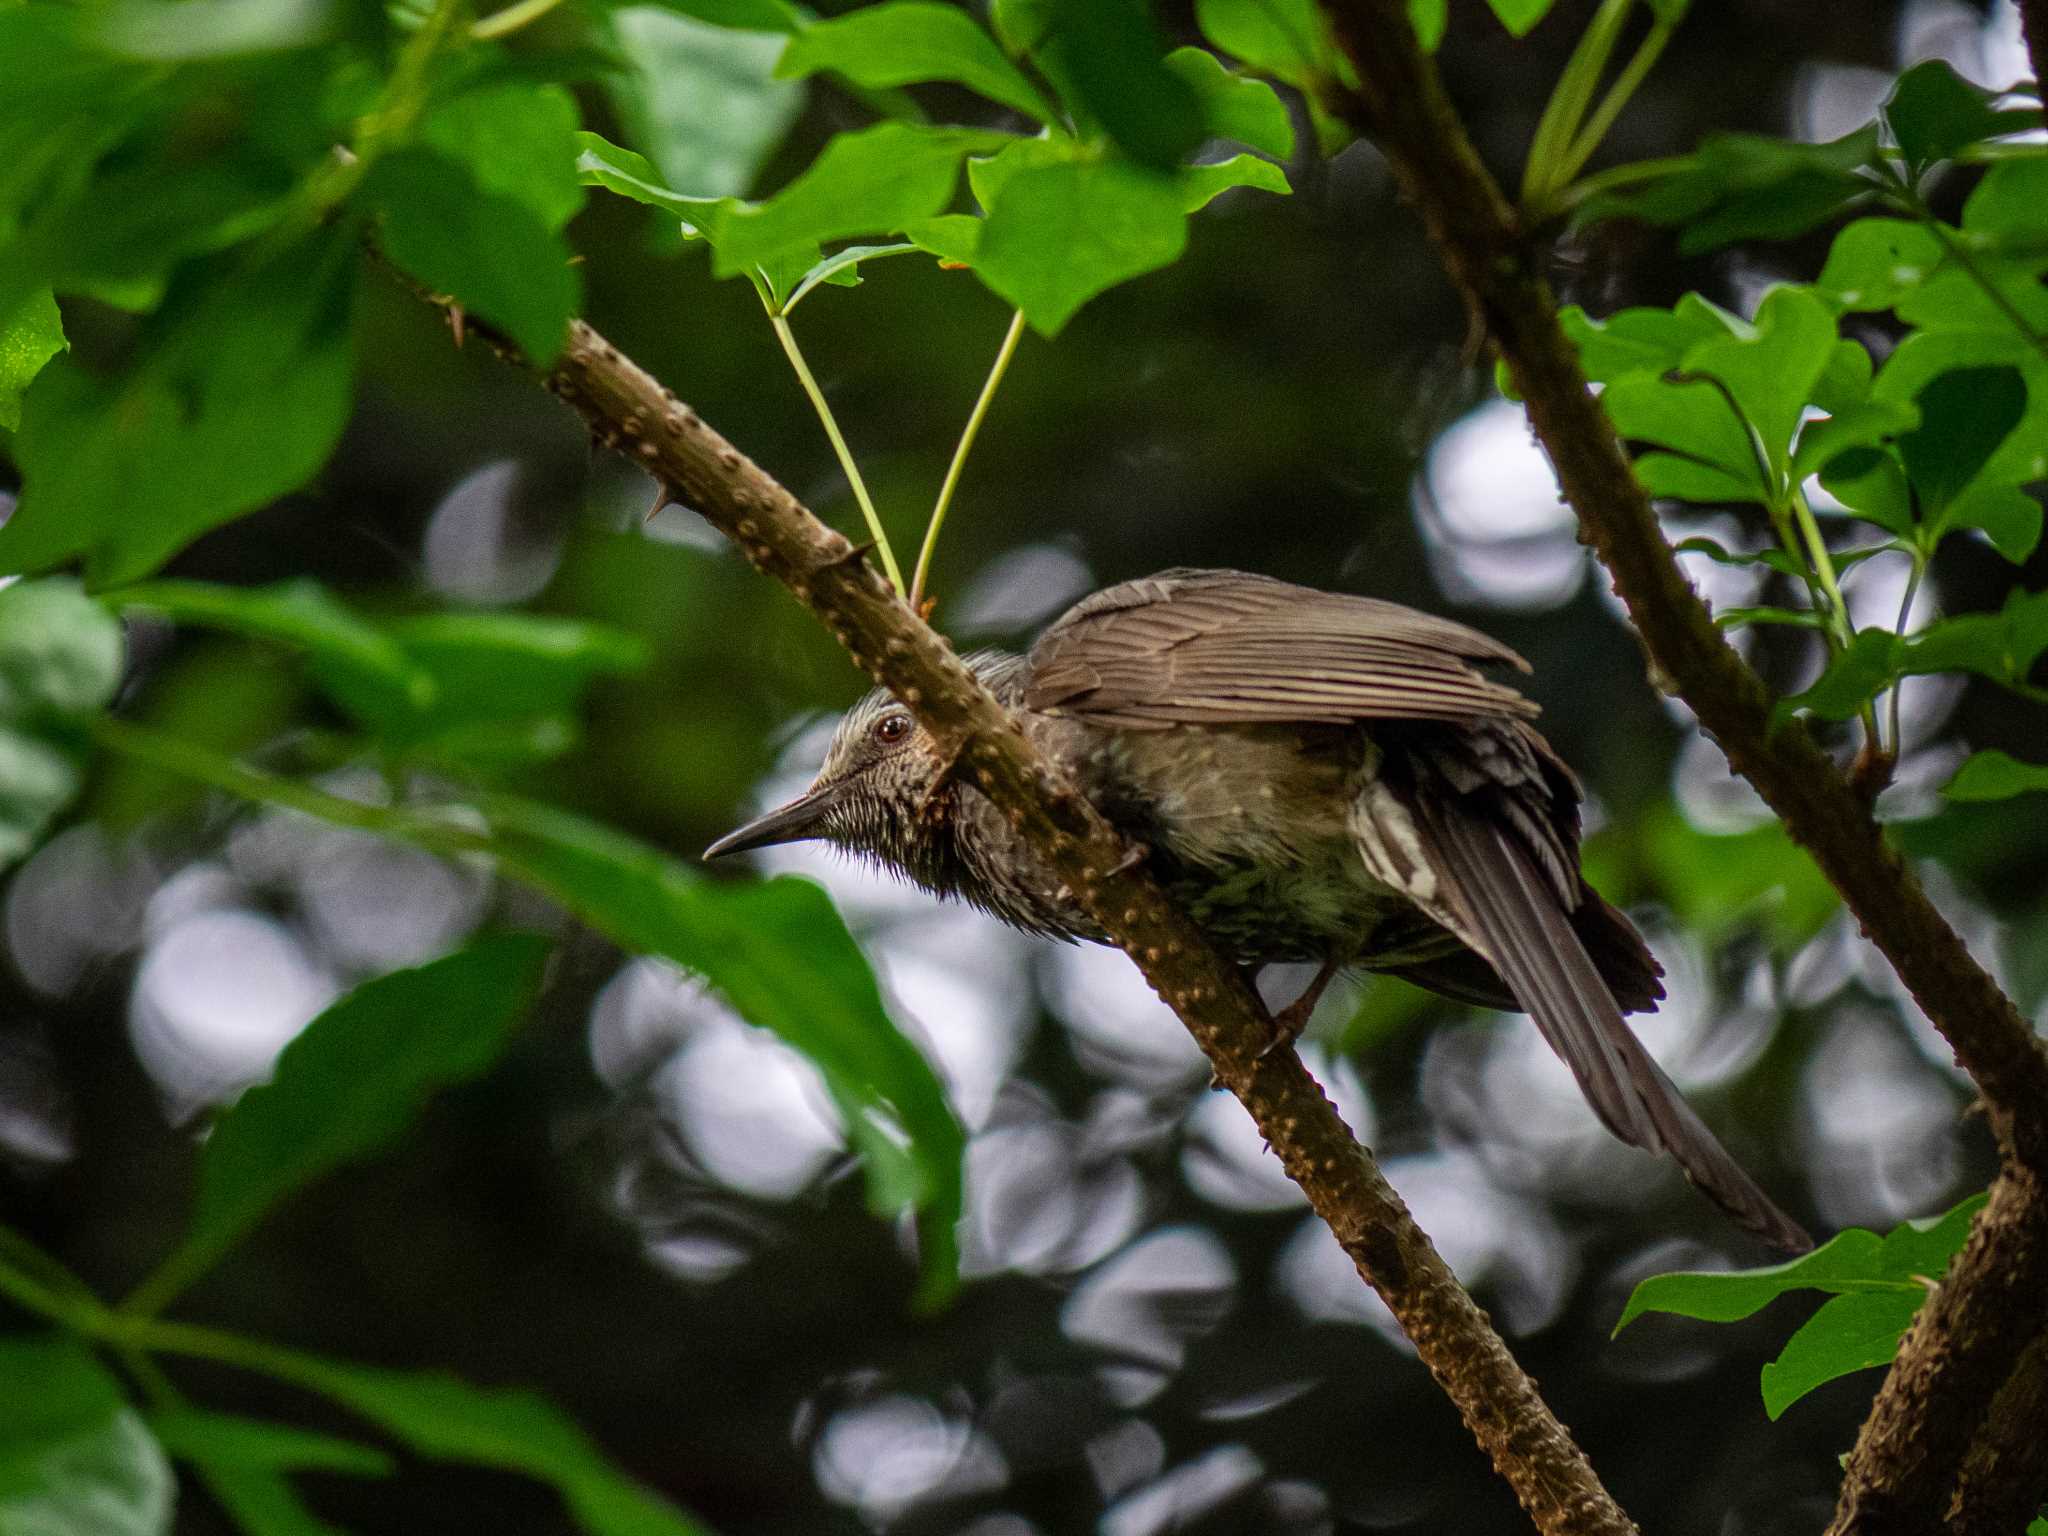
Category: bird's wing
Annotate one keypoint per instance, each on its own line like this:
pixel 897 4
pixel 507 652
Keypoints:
pixel 1225 647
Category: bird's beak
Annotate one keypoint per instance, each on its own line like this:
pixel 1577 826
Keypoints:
pixel 803 817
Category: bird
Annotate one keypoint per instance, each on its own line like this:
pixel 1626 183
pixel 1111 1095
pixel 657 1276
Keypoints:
pixel 1312 777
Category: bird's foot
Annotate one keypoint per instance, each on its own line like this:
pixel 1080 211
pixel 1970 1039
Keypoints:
pixel 1289 1022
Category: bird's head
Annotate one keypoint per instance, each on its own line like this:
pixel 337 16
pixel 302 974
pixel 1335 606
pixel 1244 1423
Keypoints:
pixel 881 793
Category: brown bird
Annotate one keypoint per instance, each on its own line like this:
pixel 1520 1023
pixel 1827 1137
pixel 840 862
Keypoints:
pixel 1312 777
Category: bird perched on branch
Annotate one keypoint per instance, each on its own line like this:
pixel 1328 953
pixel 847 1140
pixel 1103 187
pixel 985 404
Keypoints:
pixel 1311 777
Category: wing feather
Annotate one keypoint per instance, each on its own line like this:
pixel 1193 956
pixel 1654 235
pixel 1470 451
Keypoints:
pixel 1225 647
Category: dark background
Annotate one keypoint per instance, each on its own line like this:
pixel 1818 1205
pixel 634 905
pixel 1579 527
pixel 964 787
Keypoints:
pixel 645 1209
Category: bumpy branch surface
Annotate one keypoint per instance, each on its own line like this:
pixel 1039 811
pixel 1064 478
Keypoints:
pixel 1991 1304
pixel 627 409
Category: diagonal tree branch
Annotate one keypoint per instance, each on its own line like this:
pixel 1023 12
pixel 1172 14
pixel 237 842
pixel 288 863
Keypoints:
pixel 1995 1297
pixel 627 409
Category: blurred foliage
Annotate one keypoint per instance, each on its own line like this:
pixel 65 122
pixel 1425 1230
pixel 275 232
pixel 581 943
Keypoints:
pixel 317 648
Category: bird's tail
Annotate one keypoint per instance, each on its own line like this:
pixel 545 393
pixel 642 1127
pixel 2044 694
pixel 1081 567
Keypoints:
pixel 1513 916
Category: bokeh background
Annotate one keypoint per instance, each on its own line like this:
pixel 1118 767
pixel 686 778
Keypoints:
pixel 648 1209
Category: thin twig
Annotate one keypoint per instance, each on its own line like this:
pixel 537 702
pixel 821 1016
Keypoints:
pixel 967 435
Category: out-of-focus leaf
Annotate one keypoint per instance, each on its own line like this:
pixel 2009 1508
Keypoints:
pixel 1748 187
pixel 517 142
pixel 1104 56
pixel 1716 881
pixel 302 614
pixel 1853 1261
pixel 212 1438
pixel 2002 646
pixel 245 1465
pixel 1849 1333
pixel 1059 235
pixel 60 660
pixel 1933 113
pixel 236 395
pixel 903 42
pixel 744 15
pixel 1233 107
pixel 1875 262
pixel 29 338
pixel 75 1460
pixel 701 98
pixel 1872 663
pixel 1429 18
pixel 167 31
pixel 353 1079
pixel 1519 16
pixel 600 163
pixel 509 1429
pixel 1771 374
pixel 491 253
pixel 1995 775
pixel 781 955
pixel 1282 38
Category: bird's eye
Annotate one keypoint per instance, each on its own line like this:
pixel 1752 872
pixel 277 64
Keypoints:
pixel 892 727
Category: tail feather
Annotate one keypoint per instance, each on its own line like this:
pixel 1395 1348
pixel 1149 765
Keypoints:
pixel 1515 919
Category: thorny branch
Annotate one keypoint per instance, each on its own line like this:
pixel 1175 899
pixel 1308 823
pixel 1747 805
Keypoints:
pixel 1994 1301
pixel 628 410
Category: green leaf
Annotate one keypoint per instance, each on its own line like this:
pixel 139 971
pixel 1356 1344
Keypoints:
pixel 1742 186
pixel 1862 426
pixel 212 1438
pixel 351 1081
pixel 1232 107
pixel 1429 18
pixel 1202 184
pixel 1873 661
pixel 490 253
pixel 1104 56
pixel 1853 1261
pixel 1873 263
pixel 781 955
pixel 1694 419
pixel 60 661
pixel 517 142
pixel 601 163
pixel 842 268
pixel 1995 775
pixel 1059 235
pixel 903 42
pixel 1718 882
pixel 237 391
pixel 1771 374
pixel 306 616
pixel 1871 483
pixel 1849 1333
pixel 1965 417
pixel 1775 559
pixel 872 181
pixel 2002 646
pixel 1934 113
pixel 29 338
pixel 746 15
pixel 166 30
pixel 1282 38
pixel 512 1430
pixel 1519 16
pixel 701 98
pixel 1739 618
pixel 952 237
pixel 1682 479
pixel 1645 340
pixel 74 1459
